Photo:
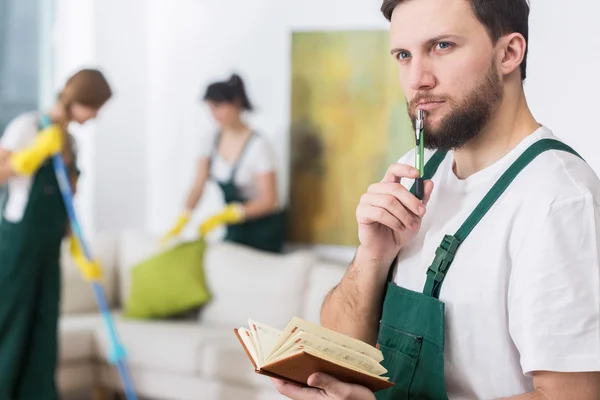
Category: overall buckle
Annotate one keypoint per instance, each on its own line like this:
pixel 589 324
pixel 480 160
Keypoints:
pixel 444 255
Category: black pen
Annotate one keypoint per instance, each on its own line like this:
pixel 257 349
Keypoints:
pixel 419 155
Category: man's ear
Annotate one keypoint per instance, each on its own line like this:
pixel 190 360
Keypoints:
pixel 512 52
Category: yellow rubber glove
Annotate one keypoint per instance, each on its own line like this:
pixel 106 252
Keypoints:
pixel 231 214
pixel 90 270
pixel 47 143
pixel 181 222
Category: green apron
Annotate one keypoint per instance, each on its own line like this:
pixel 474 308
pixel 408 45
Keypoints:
pixel 265 233
pixel 411 331
pixel 30 291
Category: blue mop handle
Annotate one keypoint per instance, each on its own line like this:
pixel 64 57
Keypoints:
pixel 117 355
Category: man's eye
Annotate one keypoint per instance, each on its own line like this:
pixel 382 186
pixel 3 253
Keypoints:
pixel 402 55
pixel 444 45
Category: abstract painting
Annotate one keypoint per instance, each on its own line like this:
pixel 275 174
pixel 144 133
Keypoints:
pixel 348 123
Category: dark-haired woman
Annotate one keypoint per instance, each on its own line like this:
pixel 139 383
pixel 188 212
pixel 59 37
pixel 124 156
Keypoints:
pixel 242 163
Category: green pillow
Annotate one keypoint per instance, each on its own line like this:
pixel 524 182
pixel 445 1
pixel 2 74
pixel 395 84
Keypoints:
pixel 169 283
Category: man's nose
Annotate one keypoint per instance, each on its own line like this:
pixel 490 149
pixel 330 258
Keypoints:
pixel 421 74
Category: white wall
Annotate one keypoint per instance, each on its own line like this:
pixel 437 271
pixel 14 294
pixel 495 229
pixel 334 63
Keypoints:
pixel 110 35
pixel 73 42
pixel 562 84
pixel 162 54
pixel 120 145
pixel 197 42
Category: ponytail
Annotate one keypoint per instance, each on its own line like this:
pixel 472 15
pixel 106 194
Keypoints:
pixel 62 119
pixel 231 91
pixel 238 87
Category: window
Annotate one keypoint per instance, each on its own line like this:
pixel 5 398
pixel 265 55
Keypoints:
pixel 25 59
pixel 25 43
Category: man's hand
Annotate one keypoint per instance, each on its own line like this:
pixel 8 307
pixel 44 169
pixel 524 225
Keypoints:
pixel 323 387
pixel 389 215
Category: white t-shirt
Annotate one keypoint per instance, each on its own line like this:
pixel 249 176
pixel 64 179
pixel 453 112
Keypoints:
pixel 20 133
pixel 257 159
pixel 523 292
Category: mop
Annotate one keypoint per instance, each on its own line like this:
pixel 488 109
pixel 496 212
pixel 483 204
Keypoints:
pixel 117 353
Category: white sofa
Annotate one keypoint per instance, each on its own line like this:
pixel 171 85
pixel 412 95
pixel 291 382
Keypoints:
pixel 188 358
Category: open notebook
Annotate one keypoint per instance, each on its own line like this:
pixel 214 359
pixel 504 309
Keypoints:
pixel 304 348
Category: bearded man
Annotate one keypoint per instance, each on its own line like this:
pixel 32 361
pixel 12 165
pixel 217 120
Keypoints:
pixel 488 286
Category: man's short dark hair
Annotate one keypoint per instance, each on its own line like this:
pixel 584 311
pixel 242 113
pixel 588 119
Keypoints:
pixel 500 17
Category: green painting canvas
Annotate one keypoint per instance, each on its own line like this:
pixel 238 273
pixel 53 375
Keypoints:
pixel 349 122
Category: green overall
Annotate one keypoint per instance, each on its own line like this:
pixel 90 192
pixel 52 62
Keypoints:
pixel 265 233
pixel 30 292
pixel 411 332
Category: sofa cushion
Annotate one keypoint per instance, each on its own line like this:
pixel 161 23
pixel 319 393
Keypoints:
pixel 134 248
pixel 76 339
pixel 322 278
pixel 75 380
pixel 159 385
pixel 168 284
pixel 224 359
pixel 247 283
pixel 170 345
pixel 77 295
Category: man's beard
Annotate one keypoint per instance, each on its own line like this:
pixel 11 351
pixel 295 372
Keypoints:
pixel 466 120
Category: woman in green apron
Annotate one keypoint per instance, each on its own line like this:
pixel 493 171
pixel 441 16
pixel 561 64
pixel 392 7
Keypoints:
pixel 241 162
pixel 32 226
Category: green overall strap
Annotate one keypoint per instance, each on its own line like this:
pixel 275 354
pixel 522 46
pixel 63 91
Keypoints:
pixel 447 250
pixel 430 169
